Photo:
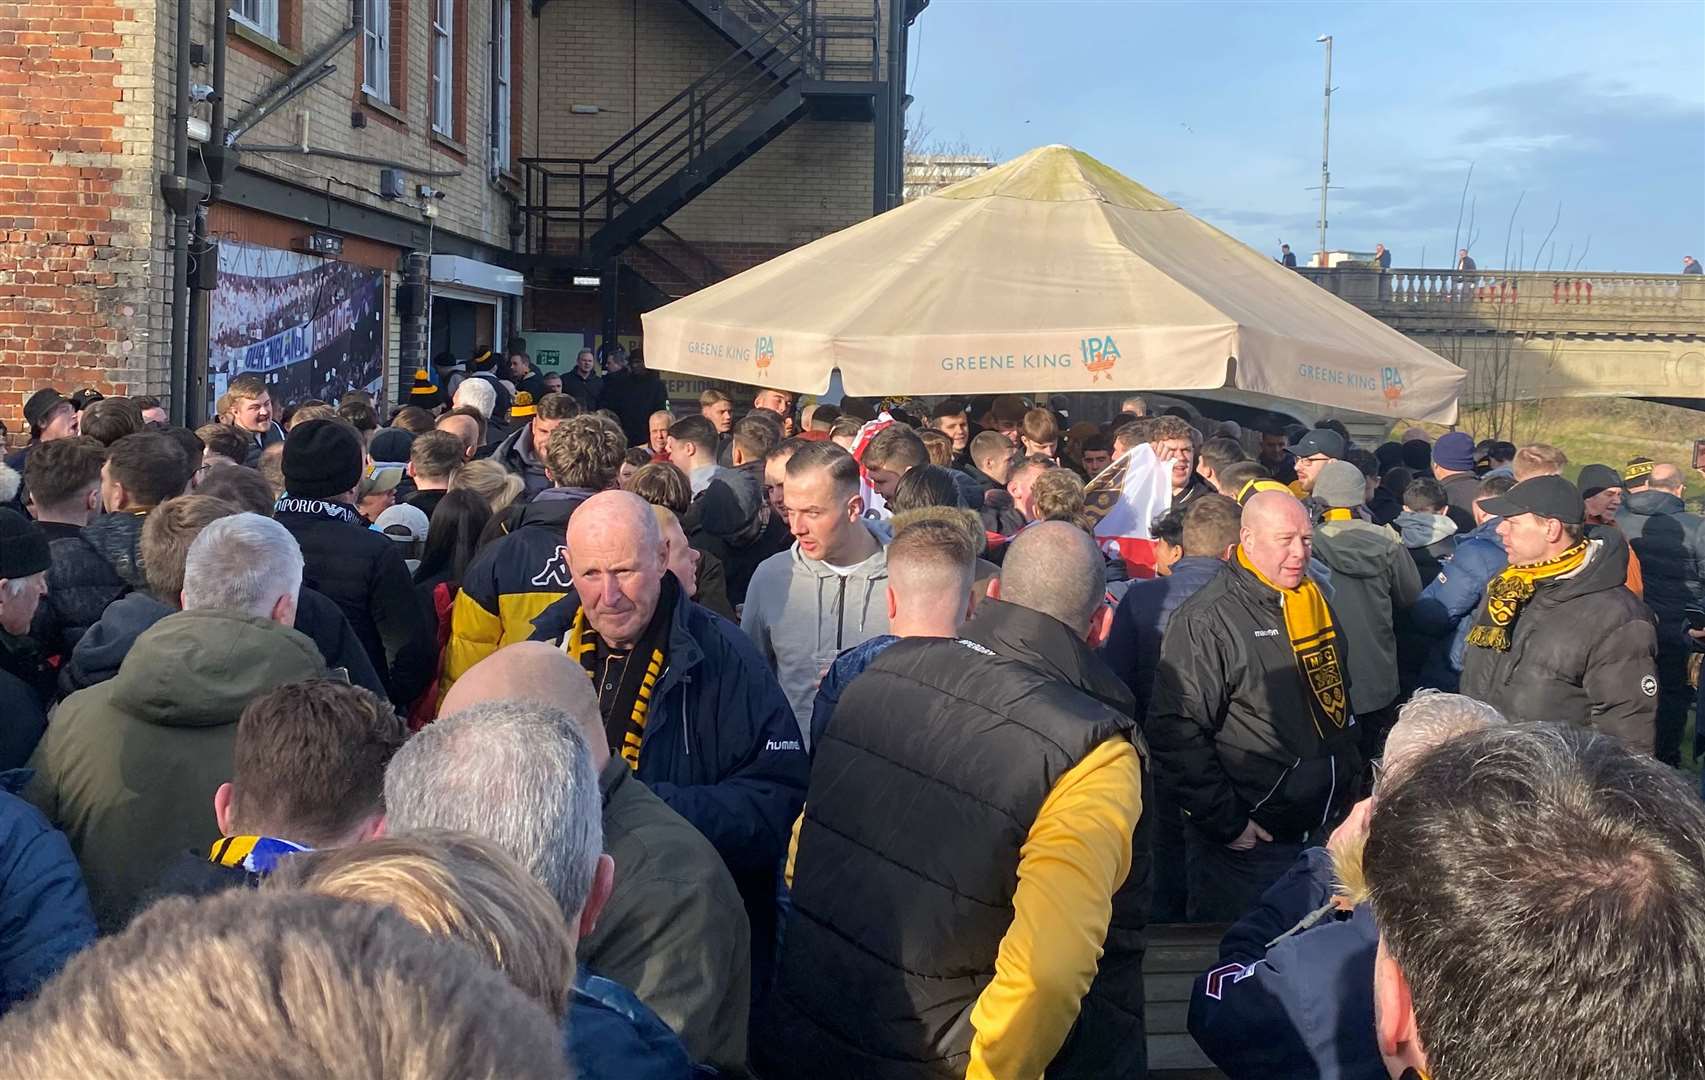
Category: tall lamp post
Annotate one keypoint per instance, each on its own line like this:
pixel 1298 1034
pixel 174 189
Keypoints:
pixel 1325 143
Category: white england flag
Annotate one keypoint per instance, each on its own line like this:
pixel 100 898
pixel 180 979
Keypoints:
pixel 1124 499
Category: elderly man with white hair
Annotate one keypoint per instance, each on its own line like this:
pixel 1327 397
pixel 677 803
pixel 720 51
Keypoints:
pixel 520 774
pixel 129 766
pixel 684 697
pixel 1292 993
pixel 674 930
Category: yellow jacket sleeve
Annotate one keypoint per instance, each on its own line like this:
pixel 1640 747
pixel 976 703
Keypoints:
pixel 475 634
pixel 1075 857
pixel 793 848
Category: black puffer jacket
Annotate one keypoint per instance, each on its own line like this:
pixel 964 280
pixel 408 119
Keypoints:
pixel 89 571
pixel 1231 721
pixel 1670 542
pixel 923 792
pixel 1584 652
pixel 731 521
pixel 363 572
pixel 633 396
pixel 588 390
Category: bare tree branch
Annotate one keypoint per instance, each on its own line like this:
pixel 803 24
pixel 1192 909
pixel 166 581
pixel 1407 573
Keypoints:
pixel 1454 240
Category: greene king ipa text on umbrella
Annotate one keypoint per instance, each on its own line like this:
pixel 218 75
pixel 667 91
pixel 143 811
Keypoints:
pixel 1098 353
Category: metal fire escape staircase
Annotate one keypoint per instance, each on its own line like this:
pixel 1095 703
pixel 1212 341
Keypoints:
pixel 790 62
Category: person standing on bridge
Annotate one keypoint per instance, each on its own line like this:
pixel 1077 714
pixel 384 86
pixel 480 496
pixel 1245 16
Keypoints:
pixel 1690 265
pixel 1465 261
pixel 1382 257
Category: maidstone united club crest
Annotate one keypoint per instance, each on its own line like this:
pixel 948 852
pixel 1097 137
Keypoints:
pixel 1326 679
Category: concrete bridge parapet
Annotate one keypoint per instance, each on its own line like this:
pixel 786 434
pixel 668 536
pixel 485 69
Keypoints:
pixel 1531 334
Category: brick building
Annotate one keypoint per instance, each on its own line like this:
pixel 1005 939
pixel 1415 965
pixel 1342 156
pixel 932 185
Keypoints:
pixel 396 184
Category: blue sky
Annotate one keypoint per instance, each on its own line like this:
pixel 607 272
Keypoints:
pixel 1598 108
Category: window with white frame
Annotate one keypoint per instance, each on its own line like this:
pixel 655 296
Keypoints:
pixel 443 67
pixel 260 16
pixel 502 80
pixel 376 49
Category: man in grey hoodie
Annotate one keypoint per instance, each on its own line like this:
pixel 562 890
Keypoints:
pixel 827 592
pixel 1426 527
pixel 1374 581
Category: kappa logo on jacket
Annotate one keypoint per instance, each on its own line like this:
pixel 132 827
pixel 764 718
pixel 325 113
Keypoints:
pixel 556 574
pixel 1226 975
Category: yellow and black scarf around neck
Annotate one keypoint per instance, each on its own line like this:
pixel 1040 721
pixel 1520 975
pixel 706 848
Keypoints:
pixel 1314 641
pixel 1510 591
pixel 639 677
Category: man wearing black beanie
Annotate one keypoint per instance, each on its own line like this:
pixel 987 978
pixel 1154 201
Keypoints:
pixel 360 569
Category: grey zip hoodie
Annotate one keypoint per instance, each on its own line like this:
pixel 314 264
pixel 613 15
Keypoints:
pixel 801 615
pixel 1420 530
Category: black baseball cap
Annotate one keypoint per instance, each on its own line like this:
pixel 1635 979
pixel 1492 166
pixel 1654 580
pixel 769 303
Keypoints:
pixel 1597 478
pixel 1321 441
pixel 1543 496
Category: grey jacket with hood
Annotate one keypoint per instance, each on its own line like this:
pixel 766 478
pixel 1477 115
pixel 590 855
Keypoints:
pixel 801 614
pixel 1430 538
pixel 1373 578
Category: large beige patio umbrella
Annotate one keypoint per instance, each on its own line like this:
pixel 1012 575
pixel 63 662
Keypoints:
pixel 1051 273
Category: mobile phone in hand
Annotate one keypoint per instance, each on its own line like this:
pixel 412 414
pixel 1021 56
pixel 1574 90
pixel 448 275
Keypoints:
pixel 1699 453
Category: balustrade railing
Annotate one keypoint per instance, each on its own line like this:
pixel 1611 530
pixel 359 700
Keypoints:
pixel 1500 286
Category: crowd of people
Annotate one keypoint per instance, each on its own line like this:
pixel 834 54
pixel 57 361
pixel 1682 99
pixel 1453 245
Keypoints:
pixel 535 729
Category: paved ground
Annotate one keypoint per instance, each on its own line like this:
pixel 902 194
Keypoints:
pixel 1177 953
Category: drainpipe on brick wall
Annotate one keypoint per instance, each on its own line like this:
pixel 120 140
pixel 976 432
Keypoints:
pixel 218 159
pixel 412 338
pixel 181 195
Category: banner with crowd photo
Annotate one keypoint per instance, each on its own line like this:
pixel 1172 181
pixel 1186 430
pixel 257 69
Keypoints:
pixel 313 327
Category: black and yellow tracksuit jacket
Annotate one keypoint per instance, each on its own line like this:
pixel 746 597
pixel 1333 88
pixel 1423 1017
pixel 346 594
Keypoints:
pixel 511 581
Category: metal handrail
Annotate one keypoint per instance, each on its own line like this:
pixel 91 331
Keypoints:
pixel 735 62
pixel 684 127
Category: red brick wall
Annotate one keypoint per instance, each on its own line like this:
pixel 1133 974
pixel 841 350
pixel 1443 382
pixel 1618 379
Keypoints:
pixel 77 212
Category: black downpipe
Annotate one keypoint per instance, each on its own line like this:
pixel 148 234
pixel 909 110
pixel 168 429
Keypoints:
pixel 181 199
pixel 412 322
pixel 897 49
pixel 219 161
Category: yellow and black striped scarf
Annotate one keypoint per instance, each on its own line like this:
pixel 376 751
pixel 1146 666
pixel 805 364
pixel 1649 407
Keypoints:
pixel 1314 641
pixel 639 677
pixel 1510 591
